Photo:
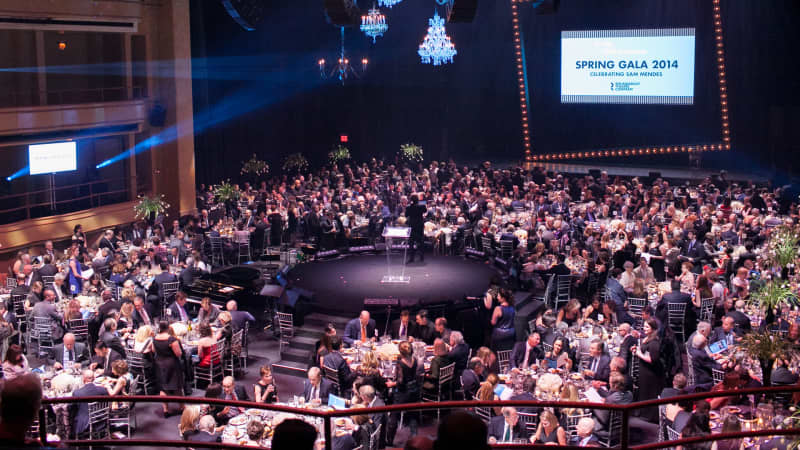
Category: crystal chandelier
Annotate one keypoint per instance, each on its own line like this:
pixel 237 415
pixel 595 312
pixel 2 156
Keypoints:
pixel 388 3
pixel 436 48
pixel 343 69
pixel 374 24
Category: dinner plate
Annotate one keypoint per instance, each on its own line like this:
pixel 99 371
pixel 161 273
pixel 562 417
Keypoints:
pixel 734 409
pixel 713 415
pixel 254 412
pixel 238 420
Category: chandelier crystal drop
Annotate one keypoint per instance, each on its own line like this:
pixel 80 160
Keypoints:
pixel 374 24
pixel 388 3
pixel 436 48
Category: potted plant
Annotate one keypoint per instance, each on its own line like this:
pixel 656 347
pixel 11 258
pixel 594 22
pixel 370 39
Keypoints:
pixel 149 207
pixel 295 163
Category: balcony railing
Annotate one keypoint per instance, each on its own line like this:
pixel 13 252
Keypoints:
pixel 71 198
pixel 69 96
pixel 327 416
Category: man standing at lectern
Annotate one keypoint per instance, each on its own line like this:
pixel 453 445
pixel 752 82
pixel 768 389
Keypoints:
pixel 414 213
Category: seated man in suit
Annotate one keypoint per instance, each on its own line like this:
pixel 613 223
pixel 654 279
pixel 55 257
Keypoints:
pixel 205 431
pixel 48 269
pixel 70 353
pixel 471 377
pixel 585 434
pixel 426 332
pixel 110 338
pixel 316 388
pixel 403 328
pixel 459 352
pixel 440 329
pixel 103 358
pixel 178 308
pixel 47 309
pixel 615 290
pixel 506 428
pixel 232 391
pixel 617 396
pixel 371 400
pixel 81 410
pixel 108 305
pixel 725 332
pixel 360 329
pixel 156 291
pixel 702 362
pixel 674 297
pixel 238 318
pixel 782 376
pixel 525 354
pixel 528 387
pixel 334 360
pixel 741 320
pixel 678 387
pixel 141 316
pixel 599 365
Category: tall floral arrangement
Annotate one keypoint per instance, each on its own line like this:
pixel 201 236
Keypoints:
pixel 411 152
pixel 254 166
pixel 772 295
pixel 782 246
pixel 295 162
pixel 338 154
pixel 225 191
pixel 150 206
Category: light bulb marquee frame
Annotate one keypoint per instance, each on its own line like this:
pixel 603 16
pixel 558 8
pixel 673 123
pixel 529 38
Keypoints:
pixel 524 102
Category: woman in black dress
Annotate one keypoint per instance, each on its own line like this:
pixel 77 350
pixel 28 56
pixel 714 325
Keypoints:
pixel 264 389
pixel 651 375
pixel 168 353
pixel 406 390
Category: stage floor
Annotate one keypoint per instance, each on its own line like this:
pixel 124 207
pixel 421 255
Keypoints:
pixel 341 285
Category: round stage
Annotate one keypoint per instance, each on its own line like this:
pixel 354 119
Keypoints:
pixel 341 285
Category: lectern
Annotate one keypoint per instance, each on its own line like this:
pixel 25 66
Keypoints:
pixel 396 239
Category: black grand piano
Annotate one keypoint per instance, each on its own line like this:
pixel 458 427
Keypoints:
pixel 243 284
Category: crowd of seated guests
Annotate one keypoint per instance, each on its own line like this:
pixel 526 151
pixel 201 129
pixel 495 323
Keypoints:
pixel 615 236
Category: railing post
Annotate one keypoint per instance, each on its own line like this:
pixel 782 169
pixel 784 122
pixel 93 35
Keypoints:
pixel 326 423
pixel 42 427
pixel 623 437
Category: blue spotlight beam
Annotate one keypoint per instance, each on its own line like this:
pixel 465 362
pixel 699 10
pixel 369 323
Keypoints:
pixel 232 106
pixel 24 171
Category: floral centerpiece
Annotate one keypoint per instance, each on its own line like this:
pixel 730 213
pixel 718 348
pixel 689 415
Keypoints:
pixel 254 166
pixel 338 154
pixel 411 152
pixel 295 162
pixel 549 384
pixel 149 207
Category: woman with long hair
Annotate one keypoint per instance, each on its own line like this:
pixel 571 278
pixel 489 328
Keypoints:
pixel 486 391
pixel 169 370
pixel 549 430
pixel 558 357
pixel 407 389
pixel 651 374
pixel 489 360
pixel 15 364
